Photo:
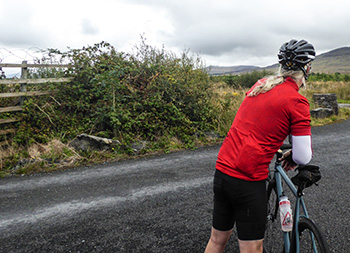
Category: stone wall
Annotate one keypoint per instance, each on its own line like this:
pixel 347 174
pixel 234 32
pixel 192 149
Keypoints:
pixel 327 100
pixel 327 103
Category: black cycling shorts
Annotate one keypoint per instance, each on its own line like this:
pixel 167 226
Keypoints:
pixel 241 202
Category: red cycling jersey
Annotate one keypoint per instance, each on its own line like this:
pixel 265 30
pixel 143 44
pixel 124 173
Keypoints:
pixel 260 126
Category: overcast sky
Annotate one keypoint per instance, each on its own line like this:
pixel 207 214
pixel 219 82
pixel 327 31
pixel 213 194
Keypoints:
pixel 222 32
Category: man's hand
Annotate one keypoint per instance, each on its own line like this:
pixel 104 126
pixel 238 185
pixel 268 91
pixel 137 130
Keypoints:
pixel 287 161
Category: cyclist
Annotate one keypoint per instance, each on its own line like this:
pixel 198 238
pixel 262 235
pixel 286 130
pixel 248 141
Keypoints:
pixel 272 110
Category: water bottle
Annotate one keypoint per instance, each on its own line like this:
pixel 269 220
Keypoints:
pixel 286 214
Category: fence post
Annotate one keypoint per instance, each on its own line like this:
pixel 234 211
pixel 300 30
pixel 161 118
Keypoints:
pixel 24 75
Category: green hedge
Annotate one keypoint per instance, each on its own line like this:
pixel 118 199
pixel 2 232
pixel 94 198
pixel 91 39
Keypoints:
pixel 145 95
pixel 336 77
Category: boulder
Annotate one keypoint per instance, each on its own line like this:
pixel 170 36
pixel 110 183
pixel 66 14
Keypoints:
pixel 321 113
pixel 86 142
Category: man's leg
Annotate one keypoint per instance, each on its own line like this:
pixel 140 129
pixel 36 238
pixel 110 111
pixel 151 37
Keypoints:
pixel 217 241
pixel 251 246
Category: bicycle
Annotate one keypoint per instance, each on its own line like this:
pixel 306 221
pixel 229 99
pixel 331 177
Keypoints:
pixel 305 235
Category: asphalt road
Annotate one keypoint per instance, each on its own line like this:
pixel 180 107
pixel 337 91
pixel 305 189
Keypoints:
pixel 157 204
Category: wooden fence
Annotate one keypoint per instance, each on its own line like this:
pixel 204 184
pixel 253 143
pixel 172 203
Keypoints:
pixel 24 81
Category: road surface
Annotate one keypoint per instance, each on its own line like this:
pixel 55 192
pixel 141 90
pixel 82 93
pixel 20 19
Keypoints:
pixel 157 204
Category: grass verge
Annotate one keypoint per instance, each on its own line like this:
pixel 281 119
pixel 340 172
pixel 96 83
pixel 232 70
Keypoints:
pixel 56 155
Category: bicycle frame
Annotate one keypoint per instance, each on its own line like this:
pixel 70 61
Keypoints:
pixel 279 175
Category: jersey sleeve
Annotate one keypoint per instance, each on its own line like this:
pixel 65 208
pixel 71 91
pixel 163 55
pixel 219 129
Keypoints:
pixel 300 118
pixel 302 149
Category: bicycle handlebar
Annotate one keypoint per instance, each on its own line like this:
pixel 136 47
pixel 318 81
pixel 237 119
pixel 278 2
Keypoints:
pixel 279 153
pixel 286 146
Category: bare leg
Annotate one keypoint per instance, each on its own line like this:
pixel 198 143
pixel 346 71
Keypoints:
pixel 251 246
pixel 217 241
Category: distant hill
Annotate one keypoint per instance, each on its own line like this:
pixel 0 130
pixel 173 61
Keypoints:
pixel 217 70
pixel 337 60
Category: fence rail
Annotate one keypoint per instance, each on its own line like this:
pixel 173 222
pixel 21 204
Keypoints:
pixel 25 94
pixel 11 109
pixel 26 65
pixel 4 121
pixel 24 81
pixel 35 81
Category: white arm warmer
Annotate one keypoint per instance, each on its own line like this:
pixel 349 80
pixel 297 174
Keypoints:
pixel 302 149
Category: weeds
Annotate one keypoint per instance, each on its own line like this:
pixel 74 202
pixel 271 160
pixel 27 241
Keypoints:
pixel 37 157
pixel 342 89
pixel 226 101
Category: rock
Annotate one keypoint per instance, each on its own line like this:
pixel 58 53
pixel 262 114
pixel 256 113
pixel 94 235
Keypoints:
pixel 213 135
pixel 27 161
pixel 209 134
pixel 137 147
pixel 327 100
pixel 86 142
pixel 21 163
pixel 321 113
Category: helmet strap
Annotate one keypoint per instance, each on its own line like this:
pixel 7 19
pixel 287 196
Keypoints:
pixel 306 69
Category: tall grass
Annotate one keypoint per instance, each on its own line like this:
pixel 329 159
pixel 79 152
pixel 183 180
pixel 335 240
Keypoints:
pixel 226 101
pixel 38 157
pixel 341 89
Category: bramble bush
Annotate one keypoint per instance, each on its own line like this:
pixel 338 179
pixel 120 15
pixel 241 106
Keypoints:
pixel 143 96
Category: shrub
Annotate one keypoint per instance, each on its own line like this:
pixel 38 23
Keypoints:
pixel 245 80
pixel 337 77
pixel 125 96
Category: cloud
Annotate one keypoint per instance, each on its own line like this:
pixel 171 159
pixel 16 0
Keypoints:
pixel 234 31
pixel 18 25
pixel 223 32
pixel 88 27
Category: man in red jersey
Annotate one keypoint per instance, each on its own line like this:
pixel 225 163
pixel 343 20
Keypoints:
pixel 272 110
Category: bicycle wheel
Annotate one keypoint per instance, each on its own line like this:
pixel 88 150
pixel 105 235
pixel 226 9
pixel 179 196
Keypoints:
pixel 272 201
pixel 273 241
pixel 308 229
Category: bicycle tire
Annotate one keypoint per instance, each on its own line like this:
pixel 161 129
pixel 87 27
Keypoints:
pixel 272 201
pixel 273 241
pixel 305 243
